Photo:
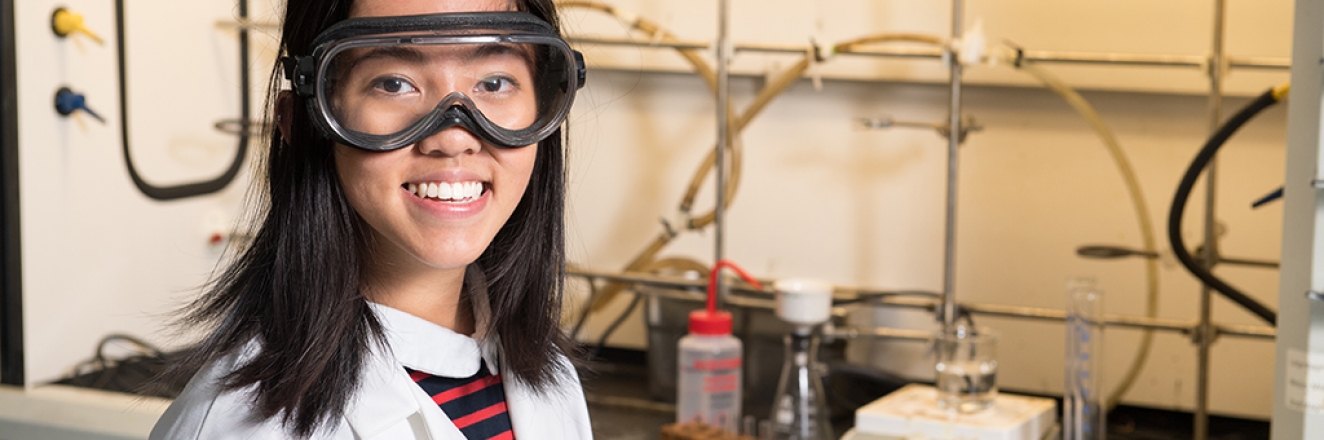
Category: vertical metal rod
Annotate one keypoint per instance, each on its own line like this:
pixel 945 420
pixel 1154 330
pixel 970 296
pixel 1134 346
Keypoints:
pixel 1206 331
pixel 948 312
pixel 723 125
pixel 12 363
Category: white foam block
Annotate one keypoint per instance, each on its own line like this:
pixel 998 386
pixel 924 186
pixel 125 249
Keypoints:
pixel 912 412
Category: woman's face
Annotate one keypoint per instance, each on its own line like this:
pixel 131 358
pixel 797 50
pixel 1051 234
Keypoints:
pixel 426 233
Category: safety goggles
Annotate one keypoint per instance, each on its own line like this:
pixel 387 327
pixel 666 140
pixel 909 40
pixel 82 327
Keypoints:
pixel 384 83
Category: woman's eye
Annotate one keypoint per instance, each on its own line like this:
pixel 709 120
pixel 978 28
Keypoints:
pixel 394 85
pixel 495 84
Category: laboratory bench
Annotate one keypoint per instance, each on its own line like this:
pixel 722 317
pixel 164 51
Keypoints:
pixel 616 384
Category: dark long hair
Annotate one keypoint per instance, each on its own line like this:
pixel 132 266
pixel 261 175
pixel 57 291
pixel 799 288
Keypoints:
pixel 296 287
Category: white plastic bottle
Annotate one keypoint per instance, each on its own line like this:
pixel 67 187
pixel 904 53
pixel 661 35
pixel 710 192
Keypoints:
pixel 708 389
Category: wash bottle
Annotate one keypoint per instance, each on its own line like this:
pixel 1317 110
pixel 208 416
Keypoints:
pixel 708 389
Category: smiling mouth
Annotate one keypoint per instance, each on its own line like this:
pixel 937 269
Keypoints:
pixel 452 192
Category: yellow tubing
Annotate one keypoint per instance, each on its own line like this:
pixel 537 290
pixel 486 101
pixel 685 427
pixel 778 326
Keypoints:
pixel 851 45
pixel 775 87
pixel 678 263
pixel 645 26
pixel 1123 164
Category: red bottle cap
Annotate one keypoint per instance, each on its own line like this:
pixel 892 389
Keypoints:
pixel 711 323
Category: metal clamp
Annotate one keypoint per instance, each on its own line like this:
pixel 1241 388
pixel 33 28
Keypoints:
pixel 241 127
pixel 1317 296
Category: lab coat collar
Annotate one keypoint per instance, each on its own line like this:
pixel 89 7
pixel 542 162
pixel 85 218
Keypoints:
pixel 384 394
pixel 420 345
pixel 423 346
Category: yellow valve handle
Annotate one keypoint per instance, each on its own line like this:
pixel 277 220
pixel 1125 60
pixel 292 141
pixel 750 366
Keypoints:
pixel 65 22
pixel 1280 92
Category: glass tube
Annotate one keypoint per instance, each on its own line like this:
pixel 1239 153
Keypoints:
pixel 1083 412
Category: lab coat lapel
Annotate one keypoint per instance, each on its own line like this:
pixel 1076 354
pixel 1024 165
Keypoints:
pixel 384 397
pixel 529 418
pixel 557 414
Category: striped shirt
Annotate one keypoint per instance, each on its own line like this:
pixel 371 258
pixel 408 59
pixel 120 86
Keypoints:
pixel 475 404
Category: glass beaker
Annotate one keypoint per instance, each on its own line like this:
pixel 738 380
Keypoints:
pixel 1083 415
pixel 799 411
pixel 967 368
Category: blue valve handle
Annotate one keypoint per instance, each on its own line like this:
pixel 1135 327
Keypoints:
pixel 1275 195
pixel 67 102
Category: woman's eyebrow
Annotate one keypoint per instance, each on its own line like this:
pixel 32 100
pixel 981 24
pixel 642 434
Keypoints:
pixel 407 54
pixel 487 50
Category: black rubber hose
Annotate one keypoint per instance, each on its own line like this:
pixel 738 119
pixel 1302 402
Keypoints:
pixel 1175 215
pixel 181 191
pixel 602 341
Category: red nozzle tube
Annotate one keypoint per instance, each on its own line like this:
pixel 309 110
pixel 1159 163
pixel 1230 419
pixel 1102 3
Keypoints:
pixel 713 321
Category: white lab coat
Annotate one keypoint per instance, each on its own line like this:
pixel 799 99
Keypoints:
pixel 388 404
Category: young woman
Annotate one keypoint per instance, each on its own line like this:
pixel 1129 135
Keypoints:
pixel 405 274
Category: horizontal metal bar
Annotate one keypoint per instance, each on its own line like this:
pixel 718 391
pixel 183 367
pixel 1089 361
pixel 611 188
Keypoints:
pixel 246 24
pixel 1138 322
pixel 854 332
pixel 1056 315
pixel 1252 331
pixel 630 42
pixel 690 290
pixel 1038 56
pixel 1249 262
pixel 1276 63
pixel 1184 327
pixel 646 279
pixel 691 45
pixel 682 289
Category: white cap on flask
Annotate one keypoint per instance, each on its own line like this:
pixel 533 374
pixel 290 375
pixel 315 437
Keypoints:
pixel 803 301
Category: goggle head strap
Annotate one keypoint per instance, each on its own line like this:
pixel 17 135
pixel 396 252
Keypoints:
pixel 300 71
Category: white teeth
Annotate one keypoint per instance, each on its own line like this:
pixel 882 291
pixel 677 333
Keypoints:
pixel 460 191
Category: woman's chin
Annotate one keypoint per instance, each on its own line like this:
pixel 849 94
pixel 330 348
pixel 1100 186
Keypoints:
pixel 449 259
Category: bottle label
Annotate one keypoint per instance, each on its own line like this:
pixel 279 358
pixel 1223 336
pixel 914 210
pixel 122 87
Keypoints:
pixel 721 383
pixel 709 391
pixel 717 364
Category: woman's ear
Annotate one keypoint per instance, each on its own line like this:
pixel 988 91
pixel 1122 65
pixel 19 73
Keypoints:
pixel 284 113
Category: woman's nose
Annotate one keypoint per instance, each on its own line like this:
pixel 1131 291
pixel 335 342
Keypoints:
pixel 450 142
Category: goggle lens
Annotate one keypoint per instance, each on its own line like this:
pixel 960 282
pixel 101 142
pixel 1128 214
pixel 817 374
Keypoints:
pixel 384 90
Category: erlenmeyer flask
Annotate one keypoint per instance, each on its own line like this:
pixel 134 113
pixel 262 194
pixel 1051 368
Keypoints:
pixel 799 412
